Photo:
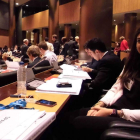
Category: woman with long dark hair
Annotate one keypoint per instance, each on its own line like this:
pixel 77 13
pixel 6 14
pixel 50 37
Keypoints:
pixel 122 102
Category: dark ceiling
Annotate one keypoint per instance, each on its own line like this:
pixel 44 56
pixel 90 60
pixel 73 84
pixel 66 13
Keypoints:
pixel 35 6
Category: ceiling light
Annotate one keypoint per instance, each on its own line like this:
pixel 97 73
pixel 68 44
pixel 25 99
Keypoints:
pixel 17 3
pixel 27 5
pixel 114 20
pixel 76 24
pixel 123 21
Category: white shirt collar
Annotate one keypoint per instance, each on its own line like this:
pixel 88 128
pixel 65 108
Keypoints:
pixel 105 53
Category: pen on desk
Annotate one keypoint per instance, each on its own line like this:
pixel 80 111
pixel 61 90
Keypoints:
pixel 21 96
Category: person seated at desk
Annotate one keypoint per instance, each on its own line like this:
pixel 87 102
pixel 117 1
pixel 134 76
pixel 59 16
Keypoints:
pixel 1 60
pixel 6 56
pixel 34 55
pixel 50 56
pixel 108 69
pixel 4 49
pixel 88 67
pixel 15 49
pixel 9 52
pixel 121 103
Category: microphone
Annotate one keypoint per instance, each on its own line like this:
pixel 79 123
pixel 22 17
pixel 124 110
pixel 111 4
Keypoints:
pixel 42 59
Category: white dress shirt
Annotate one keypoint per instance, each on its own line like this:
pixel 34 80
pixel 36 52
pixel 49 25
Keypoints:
pixel 51 56
pixel 50 46
pixel 113 95
pixel 9 53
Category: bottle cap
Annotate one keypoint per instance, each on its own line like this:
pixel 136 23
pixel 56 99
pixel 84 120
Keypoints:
pixel 21 63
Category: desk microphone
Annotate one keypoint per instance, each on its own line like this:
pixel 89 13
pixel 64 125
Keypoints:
pixel 42 59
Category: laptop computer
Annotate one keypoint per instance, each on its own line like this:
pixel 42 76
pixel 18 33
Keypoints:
pixel 32 81
pixel 56 67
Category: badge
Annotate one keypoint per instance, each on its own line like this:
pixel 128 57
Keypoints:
pixel 129 84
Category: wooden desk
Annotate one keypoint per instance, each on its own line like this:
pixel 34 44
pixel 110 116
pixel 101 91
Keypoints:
pixel 61 99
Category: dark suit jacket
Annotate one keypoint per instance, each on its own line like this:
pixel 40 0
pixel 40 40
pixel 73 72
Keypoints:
pixel 108 69
pixel 56 46
pixel 93 64
pixel 43 63
pixel 23 52
pixel 65 50
pixel 72 47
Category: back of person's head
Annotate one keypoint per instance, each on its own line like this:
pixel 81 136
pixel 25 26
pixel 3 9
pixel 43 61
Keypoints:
pixel 25 41
pixel 46 39
pixel 71 38
pixel 122 38
pixel 43 45
pixel 34 51
pixel 96 44
pixel 77 38
pixel 131 69
pixel 54 36
pixel 64 40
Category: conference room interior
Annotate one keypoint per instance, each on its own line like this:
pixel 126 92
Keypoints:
pixel 112 65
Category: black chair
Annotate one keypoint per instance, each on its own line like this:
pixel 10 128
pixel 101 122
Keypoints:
pixel 41 69
pixel 8 78
pixel 124 130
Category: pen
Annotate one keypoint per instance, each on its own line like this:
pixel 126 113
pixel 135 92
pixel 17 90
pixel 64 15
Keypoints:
pixel 21 96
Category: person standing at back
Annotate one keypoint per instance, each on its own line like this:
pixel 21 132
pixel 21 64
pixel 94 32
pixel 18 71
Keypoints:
pixel 50 45
pixel 24 49
pixel 50 56
pixel 124 44
pixel 56 44
pixel 71 45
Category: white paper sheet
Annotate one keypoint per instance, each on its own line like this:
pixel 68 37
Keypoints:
pixel 67 67
pixel 12 65
pixel 73 74
pixel 50 87
pixel 10 119
pixel 23 124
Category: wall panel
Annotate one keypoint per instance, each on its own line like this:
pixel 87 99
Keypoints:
pixel 4 16
pixel 70 12
pixel 122 6
pixel 35 21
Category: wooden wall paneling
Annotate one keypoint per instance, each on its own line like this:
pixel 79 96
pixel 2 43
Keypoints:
pixel 122 6
pixel 69 12
pixel 35 21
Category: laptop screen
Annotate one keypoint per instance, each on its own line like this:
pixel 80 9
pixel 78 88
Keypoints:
pixel 30 74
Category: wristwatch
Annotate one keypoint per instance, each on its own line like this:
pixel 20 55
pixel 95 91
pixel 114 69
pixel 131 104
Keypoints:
pixel 114 113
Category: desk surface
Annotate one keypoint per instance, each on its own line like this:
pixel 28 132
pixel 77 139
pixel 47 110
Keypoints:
pixel 61 99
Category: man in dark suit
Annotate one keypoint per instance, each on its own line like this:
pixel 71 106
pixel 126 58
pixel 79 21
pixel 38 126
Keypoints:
pixel 34 55
pixel 72 46
pixel 56 44
pixel 24 49
pixel 105 75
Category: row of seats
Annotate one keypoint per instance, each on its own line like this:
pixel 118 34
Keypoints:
pixel 11 77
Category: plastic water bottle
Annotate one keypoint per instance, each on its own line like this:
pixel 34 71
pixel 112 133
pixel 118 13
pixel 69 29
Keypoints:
pixel 21 79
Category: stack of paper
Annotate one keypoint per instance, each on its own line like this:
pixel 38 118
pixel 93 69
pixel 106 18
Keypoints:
pixel 74 74
pixel 14 123
pixel 50 87
pixel 67 67
pixel 12 65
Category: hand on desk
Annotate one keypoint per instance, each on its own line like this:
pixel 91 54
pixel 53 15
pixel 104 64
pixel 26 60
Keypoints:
pixel 78 64
pixel 86 69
